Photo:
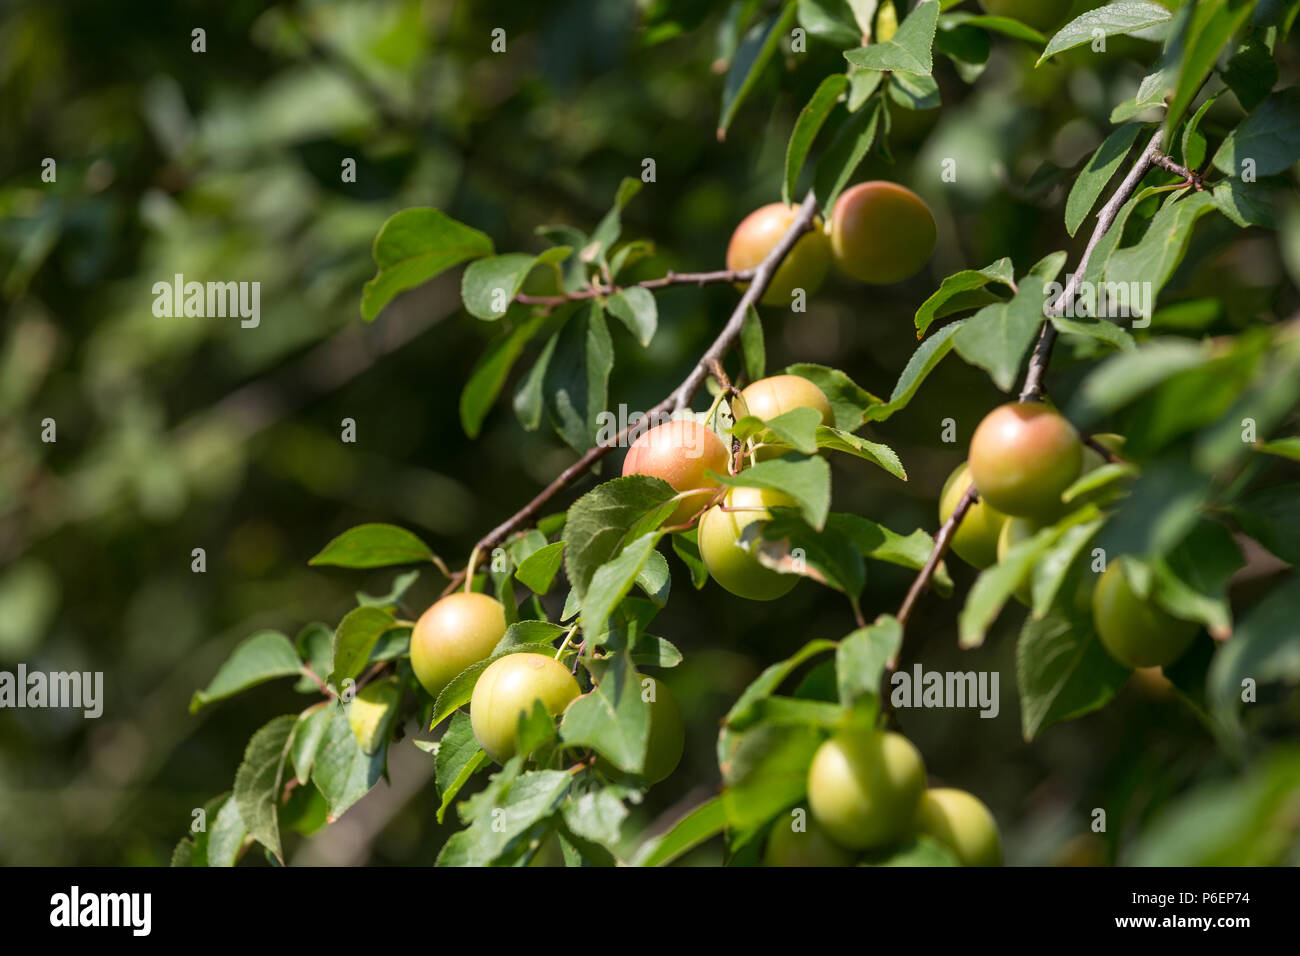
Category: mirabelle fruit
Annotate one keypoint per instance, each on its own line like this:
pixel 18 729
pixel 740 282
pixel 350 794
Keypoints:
pixel 864 787
pixel 804 268
pixel 1022 456
pixel 881 232
pixel 681 453
pixel 729 563
pixel 454 633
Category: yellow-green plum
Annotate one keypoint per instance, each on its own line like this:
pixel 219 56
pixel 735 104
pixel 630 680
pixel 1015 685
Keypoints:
pixel 1022 456
pixel 804 268
pixel 811 846
pixel 729 563
pixel 1136 632
pixel 976 539
pixel 667 732
pixel 770 397
pixel 681 453
pixel 881 232
pixel 864 787
pixel 454 633
pixel 507 689
pixel 962 823
pixel 1043 15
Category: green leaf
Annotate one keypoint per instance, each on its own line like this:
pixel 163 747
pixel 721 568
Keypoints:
pixel 655 579
pixel 635 308
pixel 576 385
pixel 1268 138
pixel 412 247
pixel 493 367
pixel 1124 17
pixel 767 682
pixel 596 816
pixel 226 835
pixel 530 396
pixel 908 51
pixel 650 651
pixel 1102 330
pixel 862 84
pixel 846 151
pixel 806 127
pixel 612 581
pixel 1063 671
pixel 862 656
pixel 997 337
pixel 373 546
pixel 752 350
pixel 344 773
pixel 1002 272
pixel 766 770
pixel 1097 173
pixel 995 586
pixel 807 481
pixel 612 718
pixel 1120 379
pixel 315 645
pixel 538 570
pixel 1192 582
pixel 923 361
pixel 795 429
pixel 1003 25
pixel 1053 569
pixel 966 45
pixel 1246 204
pixel 882 455
pixel 194 850
pixel 1282 447
pixel 456 758
pixel 401 584
pixel 372 711
pixel 1211 26
pixel 489 286
pixel 1154 258
pixel 259 778
pixel 307 737
pixel 686 545
pixel 701 824
pixel 601 520
pixel 264 656
pixel 1251 74
pixel 849 400
pixel 1150 95
pixel 878 543
pixel 789 545
pixel 505 816
pixel 754 54
pixel 1264 649
pixel 1193 144
pixel 355 638
pixel 611 225
pixel 914 92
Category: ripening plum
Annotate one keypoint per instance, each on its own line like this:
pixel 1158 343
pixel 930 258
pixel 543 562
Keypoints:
pixel 811 846
pixel 1136 632
pixel 454 633
pixel 667 734
pixel 507 689
pixel 770 397
pixel 976 539
pixel 804 268
pixel 864 787
pixel 681 453
pixel 962 823
pixel 881 232
pixel 1022 456
pixel 729 563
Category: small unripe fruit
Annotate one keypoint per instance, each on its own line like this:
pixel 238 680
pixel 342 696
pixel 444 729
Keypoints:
pixel 864 788
pixel 681 453
pixel 963 824
pixel 1022 456
pixel 771 397
pixel 453 634
pixel 1135 632
pixel 810 847
pixel 731 565
pixel 667 734
pixel 881 232
pixel 1043 15
pixel 507 690
pixel 976 540
pixel 804 268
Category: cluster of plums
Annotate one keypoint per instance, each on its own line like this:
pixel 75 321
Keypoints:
pixel 1022 456
pixel 866 793
pixel 879 232
pixel 689 455
pixel 463 629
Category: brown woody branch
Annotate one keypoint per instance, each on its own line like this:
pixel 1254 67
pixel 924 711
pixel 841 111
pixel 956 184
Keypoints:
pixel 671 279
pixel 681 396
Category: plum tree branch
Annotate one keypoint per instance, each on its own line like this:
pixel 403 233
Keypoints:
pixel 1033 386
pixel 680 397
pixel 671 279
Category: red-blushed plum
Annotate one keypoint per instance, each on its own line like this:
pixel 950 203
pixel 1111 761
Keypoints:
pixel 962 823
pixel 804 268
pixel 734 567
pixel 881 232
pixel 507 689
pixel 864 787
pixel 1136 632
pixel 770 397
pixel 1022 456
pixel 681 453
pixel 454 633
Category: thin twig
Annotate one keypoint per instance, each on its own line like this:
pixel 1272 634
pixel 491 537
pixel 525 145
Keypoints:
pixel 680 397
pixel 671 279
